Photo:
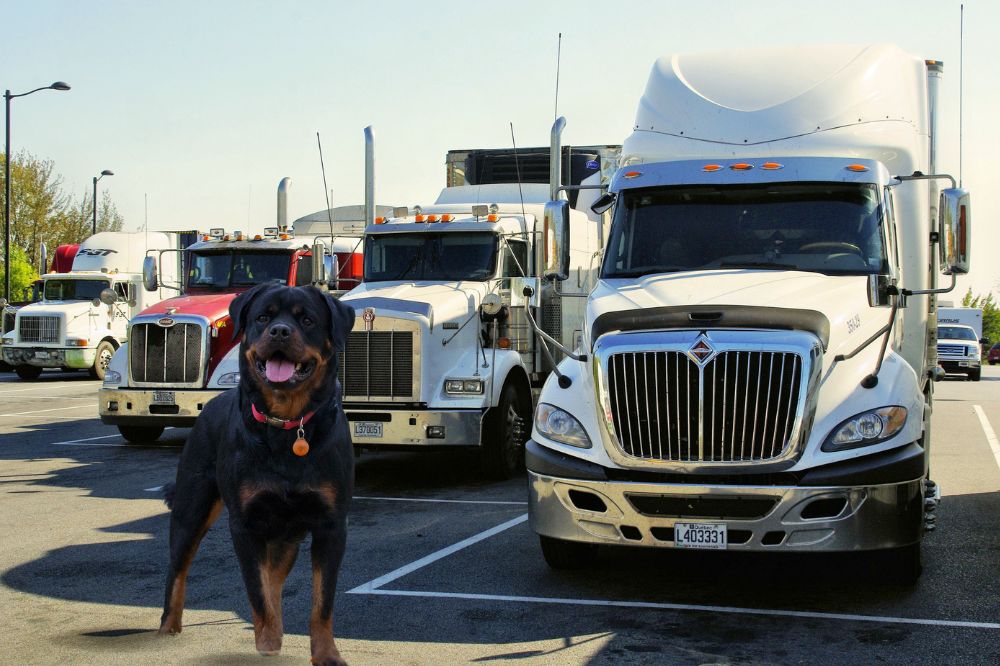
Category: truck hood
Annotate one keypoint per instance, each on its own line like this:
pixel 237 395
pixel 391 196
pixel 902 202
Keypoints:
pixel 68 309
pixel 212 306
pixel 434 301
pixel 843 300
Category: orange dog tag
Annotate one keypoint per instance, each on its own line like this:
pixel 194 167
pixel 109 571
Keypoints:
pixel 300 447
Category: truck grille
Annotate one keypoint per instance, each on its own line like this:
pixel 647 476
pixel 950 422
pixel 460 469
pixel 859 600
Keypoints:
pixel 741 406
pixel 166 355
pixel 951 350
pixel 38 329
pixel 378 364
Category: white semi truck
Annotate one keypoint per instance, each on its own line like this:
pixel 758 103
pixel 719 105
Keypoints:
pixel 443 353
pixel 84 314
pixel 757 357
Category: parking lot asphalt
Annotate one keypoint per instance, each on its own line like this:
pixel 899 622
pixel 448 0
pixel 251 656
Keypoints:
pixel 441 566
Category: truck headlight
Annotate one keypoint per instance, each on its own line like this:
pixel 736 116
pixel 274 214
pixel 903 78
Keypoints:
pixel 866 428
pixel 112 378
pixel 229 379
pixel 7 340
pixel 560 426
pixel 463 386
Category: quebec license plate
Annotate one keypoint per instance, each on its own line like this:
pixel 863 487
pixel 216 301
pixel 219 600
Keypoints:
pixel 709 536
pixel 41 354
pixel 163 397
pixel 370 429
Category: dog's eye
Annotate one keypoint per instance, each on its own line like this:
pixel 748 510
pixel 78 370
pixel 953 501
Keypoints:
pixel 263 318
pixel 307 321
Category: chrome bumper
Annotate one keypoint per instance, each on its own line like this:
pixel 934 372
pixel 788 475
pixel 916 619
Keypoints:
pixel 871 517
pixel 404 427
pixel 134 406
pixel 74 357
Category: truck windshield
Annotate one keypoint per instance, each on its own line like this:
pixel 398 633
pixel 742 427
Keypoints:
pixel 956 333
pixel 831 228
pixel 236 268
pixel 430 256
pixel 74 290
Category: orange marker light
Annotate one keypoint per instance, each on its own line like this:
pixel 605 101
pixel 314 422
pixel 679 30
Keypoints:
pixel 257 237
pixel 632 174
pixel 741 166
pixel 205 237
pixel 770 166
pixel 432 218
pixel 492 217
pixel 711 167
pixel 446 218
pixel 419 218
pixel 379 220
pixel 856 167
pixel 503 343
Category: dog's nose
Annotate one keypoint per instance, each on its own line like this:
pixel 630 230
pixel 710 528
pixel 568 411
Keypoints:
pixel 280 331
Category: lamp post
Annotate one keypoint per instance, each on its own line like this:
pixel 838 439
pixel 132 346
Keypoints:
pixel 7 96
pixel 106 172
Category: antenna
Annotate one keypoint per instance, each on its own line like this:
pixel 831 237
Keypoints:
pixel 328 191
pixel 249 198
pixel 558 61
pixel 961 73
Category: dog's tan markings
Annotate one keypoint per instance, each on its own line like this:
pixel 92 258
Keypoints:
pixel 321 641
pixel 328 493
pixel 269 628
pixel 292 404
pixel 172 622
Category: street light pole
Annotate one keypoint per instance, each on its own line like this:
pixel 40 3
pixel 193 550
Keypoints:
pixel 7 96
pixel 106 172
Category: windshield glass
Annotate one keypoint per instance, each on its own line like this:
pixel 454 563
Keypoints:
pixel 430 256
pixel 956 333
pixel 832 228
pixel 221 270
pixel 74 290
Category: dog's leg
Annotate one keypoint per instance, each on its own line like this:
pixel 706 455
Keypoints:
pixel 195 508
pixel 265 567
pixel 327 552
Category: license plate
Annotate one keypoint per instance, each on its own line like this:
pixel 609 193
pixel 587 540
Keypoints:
pixel 711 536
pixel 963 364
pixel 163 397
pixel 370 429
pixel 41 354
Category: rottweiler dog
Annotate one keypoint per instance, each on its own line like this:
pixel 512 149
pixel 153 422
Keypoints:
pixel 277 453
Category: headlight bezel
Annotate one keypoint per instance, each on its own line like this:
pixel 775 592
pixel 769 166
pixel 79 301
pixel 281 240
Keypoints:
pixel 464 386
pixel 890 421
pixel 112 377
pixel 576 436
pixel 229 379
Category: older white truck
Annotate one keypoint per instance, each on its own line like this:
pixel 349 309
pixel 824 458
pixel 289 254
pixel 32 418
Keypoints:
pixel 443 353
pixel 83 315
pixel 756 364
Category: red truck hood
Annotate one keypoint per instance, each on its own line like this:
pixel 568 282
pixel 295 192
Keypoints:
pixel 213 306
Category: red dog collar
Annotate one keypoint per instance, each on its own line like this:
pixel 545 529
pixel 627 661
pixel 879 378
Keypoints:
pixel 285 424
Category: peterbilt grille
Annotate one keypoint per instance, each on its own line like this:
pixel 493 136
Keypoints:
pixel 378 363
pixel 953 350
pixel 740 407
pixel 38 329
pixel 167 355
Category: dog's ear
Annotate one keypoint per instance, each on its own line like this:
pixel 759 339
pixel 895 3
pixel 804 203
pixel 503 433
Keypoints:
pixel 341 321
pixel 241 305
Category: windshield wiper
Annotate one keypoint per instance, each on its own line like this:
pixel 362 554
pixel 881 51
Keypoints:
pixel 758 264
pixel 410 266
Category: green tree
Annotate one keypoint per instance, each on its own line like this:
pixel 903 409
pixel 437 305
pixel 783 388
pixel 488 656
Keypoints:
pixel 22 274
pixel 991 313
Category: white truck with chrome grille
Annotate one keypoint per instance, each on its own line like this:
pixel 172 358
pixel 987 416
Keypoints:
pixel 757 363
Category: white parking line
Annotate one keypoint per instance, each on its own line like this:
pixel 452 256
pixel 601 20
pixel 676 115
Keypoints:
pixel 45 387
pixel 54 409
pixel 439 501
pixel 84 442
pixel 991 436
pixel 372 585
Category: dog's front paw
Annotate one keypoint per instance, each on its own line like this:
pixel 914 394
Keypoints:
pixel 268 646
pixel 170 626
pixel 331 660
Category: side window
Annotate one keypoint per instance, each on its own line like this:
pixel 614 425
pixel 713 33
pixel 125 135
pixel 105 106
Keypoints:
pixel 303 271
pixel 890 225
pixel 122 290
pixel 515 260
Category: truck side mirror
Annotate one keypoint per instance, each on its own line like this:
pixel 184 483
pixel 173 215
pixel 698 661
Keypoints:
pixel 556 235
pixel 149 280
pixel 955 231
pixel 604 203
pixel 108 296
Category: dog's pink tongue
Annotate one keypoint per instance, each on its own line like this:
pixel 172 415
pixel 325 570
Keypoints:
pixel 279 370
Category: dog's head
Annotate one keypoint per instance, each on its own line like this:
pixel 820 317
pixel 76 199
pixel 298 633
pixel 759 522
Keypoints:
pixel 289 338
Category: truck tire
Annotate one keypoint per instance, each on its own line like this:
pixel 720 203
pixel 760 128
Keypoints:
pixel 105 351
pixel 140 434
pixel 28 371
pixel 504 434
pixel 975 375
pixel 567 555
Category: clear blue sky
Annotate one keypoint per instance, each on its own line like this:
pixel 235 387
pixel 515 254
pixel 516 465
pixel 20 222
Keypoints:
pixel 204 106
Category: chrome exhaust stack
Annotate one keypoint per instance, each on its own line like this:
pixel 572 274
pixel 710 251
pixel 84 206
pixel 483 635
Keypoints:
pixel 283 187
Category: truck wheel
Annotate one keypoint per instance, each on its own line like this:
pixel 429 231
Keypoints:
pixel 504 433
pixel 975 375
pixel 140 434
pixel 28 371
pixel 105 351
pixel 561 554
